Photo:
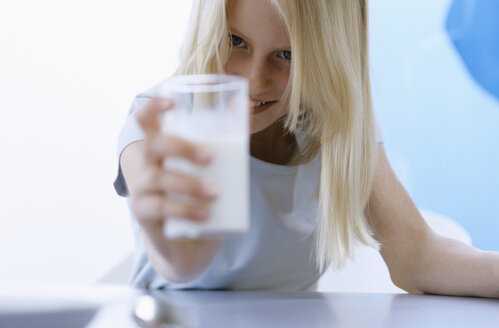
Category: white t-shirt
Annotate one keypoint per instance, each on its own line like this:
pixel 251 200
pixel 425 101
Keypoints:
pixel 278 251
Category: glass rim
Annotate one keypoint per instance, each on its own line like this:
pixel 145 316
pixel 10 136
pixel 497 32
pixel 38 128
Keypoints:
pixel 193 83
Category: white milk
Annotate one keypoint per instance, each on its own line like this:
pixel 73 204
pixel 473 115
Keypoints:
pixel 229 172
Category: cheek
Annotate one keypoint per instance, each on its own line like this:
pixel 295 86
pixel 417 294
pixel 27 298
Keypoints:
pixel 281 77
pixel 281 82
pixel 227 68
pixel 230 65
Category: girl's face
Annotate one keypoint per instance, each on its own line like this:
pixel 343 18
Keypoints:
pixel 261 53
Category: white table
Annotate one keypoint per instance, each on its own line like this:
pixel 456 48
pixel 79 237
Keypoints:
pixel 255 309
pixel 293 309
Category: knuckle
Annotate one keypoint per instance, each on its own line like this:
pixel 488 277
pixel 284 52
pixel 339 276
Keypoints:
pixel 139 208
pixel 158 208
pixel 150 179
pixel 188 212
pixel 150 147
pixel 196 188
pixel 191 150
pixel 179 146
pixel 148 153
pixel 141 113
pixel 173 209
pixel 170 182
pixel 183 184
pixel 173 145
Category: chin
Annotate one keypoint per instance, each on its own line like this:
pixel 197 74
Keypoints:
pixel 260 122
pixel 257 126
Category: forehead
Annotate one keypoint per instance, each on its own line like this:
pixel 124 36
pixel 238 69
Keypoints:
pixel 257 19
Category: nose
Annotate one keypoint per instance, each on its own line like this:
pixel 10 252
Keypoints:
pixel 258 74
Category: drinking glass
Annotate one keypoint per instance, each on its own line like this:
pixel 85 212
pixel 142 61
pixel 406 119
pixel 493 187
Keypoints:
pixel 211 110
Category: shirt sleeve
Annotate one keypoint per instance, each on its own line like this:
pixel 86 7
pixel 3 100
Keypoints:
pixel 130 133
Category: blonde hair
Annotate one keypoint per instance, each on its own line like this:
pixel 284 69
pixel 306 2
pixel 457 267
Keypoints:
pixel 330 100
pixel 206 46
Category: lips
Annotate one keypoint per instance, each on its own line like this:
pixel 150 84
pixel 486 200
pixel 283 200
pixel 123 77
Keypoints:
pixel 260 106
pixel 257 103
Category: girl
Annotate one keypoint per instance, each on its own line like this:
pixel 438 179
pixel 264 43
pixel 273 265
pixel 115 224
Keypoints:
pixel 320 179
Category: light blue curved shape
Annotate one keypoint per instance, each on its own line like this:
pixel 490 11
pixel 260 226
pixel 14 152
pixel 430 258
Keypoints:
pixel 473 27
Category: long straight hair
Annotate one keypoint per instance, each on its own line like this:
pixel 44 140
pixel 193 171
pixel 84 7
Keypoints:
pixel 330 101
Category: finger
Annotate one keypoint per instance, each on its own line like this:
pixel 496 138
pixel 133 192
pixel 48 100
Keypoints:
pixel 163 146
pixel 148 116
pixel 156 207
pixel 161 181
pixel 195 188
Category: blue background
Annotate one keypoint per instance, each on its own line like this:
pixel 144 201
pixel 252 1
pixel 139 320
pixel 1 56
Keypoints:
pixel 435 75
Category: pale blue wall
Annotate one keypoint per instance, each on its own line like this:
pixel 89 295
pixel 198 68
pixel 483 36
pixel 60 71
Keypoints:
pixel 441 125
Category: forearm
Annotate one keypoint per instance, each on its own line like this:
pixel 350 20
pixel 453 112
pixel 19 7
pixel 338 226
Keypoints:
pixel 419 260
pixel 179 260
pixel 449 267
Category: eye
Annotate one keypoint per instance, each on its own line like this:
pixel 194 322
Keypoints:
pixel 285 54
pixel 237 41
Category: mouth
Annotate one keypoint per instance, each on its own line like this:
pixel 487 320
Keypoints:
pixel 260 106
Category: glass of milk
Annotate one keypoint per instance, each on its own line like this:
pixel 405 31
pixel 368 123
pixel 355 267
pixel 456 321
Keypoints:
pixel 211 110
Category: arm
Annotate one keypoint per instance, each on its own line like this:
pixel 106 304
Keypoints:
pixel 148 184
pixel 419 260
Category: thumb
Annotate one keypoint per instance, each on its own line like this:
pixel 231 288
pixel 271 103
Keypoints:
pixel 149 115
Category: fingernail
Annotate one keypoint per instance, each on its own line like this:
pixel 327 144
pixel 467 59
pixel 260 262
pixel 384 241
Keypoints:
pixel 209 190
pixel 203 155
